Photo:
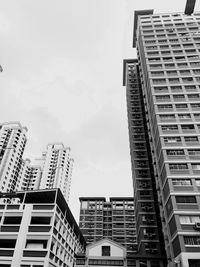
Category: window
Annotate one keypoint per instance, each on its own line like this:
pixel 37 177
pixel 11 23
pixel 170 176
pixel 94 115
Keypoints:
pixel 169 127
pixel 195 105
pixel 189 219
pixel 156 81
pixel 178 166
pixel 155 66
pixel 182 65
pixel 186 199
pixel 192 240
pixel 195 166
pixel 194 152
pixel 164 106
pixel 172 139
pixel 162 97
pixel 178 97
pixel 193 96
pixel 190 87
pixel 167 116
pixel 105 250
pixel 191 138
pixel 184 116
pixel 197 182
pixel 177 152
pixel 157 73
pixel 181 182
pixel 176 88
pixel 171 65
pixel 172 72
pixel 187 127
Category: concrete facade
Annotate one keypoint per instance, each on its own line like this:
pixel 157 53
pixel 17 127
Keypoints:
pixel 38 231
pixel 164 81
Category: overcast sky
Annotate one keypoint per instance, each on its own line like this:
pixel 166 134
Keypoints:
pixel 62 78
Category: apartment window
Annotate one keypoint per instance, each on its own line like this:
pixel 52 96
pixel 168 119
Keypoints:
pixel 194 152
pixel 157 73
pixel 169 66
pixel 155 66
pixel 197 182
pixel 153 59
pixel 190 87
pixel 184 72
pixel 178 97
pixel 187 80
pixel 175 46
pixel 191 138
pixel 186 199
pixel 193 96
pixel 195 166
pixel 164 46
pixel 163 98
pixel 164 106
pixel 167 52
pixel 192 240
pixel 176 88
pixel 187 127
pixel 156 81
pixel 182 65
pixel 181 106
pixel 181 182
pixel 167 116
pixel 197 116
pixel 177 152
pixel 105 250
pixel 178 166
pixel 172 139
pixel 169 127
pixel 181 58
pixel 189 219
pixel 152 53
pixel 167 59
pixel 172 72
pixel 184 116
pixel 173 80
pixel 195 105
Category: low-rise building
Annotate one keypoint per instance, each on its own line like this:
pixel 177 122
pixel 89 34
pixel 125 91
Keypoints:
pixel 40 231
pixel 105 252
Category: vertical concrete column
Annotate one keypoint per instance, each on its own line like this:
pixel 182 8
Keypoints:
pixel 21 239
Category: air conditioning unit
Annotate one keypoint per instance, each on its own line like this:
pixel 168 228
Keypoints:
pixel 197 226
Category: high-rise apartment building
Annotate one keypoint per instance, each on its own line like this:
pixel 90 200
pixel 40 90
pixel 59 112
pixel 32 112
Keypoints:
pixel 12 144
pixel 57 166
pixel 29 176
pixel 113 219
pixel 163 101
pixel 52 170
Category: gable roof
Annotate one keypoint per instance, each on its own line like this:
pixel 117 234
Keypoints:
pixel 100 242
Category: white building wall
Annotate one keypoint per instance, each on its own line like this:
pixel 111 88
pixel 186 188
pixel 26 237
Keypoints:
pixel 115 251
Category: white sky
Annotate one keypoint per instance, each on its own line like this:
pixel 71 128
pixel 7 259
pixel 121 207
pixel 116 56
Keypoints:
pixel 62 79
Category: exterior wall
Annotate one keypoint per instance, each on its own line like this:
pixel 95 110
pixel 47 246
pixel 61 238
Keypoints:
pixel 169 70
pixel 146 204
pixel 39 234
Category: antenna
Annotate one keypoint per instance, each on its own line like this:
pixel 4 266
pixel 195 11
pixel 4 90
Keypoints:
pixel 189 8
